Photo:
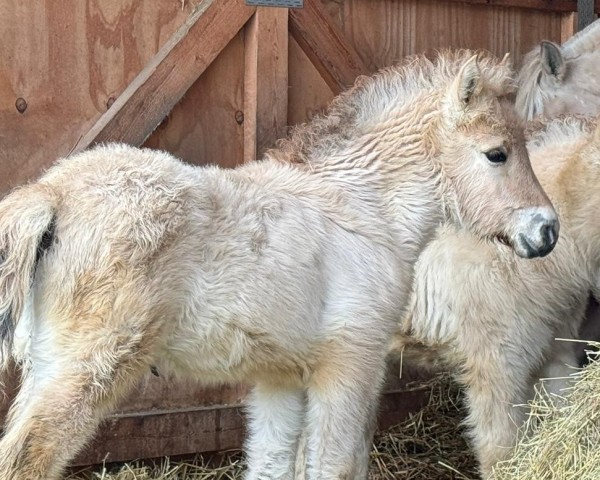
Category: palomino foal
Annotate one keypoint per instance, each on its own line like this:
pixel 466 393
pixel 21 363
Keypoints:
pixel 287 273
pixel 556 80
pixel 491 316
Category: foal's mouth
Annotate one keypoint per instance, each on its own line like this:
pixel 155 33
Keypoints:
pixel 503 239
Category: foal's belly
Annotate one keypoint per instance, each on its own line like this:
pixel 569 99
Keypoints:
pixel 228 351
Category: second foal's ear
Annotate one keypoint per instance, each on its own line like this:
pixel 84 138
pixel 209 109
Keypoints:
pixel 553 62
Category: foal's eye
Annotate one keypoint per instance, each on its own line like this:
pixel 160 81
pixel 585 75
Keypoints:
pixel 496 155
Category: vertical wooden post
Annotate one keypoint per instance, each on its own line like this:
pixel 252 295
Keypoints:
pixel 265 80
pixel 568 26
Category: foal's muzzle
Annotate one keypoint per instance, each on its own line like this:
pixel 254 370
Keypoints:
pixel 538 232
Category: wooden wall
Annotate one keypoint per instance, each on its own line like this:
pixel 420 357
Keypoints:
pixel 68 61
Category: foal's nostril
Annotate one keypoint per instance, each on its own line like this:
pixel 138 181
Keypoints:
pixel 547 234
pixel 548 237
pixel 550 233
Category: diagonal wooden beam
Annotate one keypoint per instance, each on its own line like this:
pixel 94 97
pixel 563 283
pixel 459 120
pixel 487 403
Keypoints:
pixel 265 80
pixel 169 74
pixel 325 45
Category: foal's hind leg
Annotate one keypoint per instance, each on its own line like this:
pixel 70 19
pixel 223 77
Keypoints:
pixel 275 424
pixel 53 418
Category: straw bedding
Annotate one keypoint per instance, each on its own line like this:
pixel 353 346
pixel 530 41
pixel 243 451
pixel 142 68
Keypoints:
pixel 428 445
pixel 561 441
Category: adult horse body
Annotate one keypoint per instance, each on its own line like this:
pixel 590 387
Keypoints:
pixel 478 308
pixel 290 277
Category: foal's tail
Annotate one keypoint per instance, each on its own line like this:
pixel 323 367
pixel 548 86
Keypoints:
pixel 26 224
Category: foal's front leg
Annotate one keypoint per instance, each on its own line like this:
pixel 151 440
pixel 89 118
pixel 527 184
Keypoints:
pixel 275 424
pixel 497 387
pixel 342 400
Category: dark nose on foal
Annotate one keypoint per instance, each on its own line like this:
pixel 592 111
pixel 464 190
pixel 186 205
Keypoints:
pixel 542 238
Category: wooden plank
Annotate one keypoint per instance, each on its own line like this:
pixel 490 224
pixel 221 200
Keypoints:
pixel 204 128
pixel 166 78
pixel 568 26
pixel 165 433
pixel 308 93
pixel 546 5
pixel 265 80
pixel 386 31
pixel 325 45
pixel 74 58
pixel 164 394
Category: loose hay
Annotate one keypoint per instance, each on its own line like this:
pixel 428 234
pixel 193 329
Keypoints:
pixel 428 445
pixel 561 440
pixel 228 466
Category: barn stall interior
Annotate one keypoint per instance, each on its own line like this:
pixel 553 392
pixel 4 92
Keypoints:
pixel 218 81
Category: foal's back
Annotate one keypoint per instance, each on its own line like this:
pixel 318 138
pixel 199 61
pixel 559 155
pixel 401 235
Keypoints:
pixel 193 250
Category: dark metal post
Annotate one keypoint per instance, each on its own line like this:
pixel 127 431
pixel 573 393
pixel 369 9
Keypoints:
pixel 585 13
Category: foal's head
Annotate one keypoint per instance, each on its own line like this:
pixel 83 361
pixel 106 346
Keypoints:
pixel 488 184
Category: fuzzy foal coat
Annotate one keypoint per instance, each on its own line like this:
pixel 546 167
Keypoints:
pixel 493 317
pixel 290 277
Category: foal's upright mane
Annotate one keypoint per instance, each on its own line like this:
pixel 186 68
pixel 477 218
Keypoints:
pixel 377 99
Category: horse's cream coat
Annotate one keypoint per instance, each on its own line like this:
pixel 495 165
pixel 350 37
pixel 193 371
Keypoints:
pixel 289 273
pixel 493 317
pixel 556 80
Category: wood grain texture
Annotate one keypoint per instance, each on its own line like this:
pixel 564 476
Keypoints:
pixel 308 93
pixel 561 6
pixel 383 33
pixel 202 128
pixel 325 44
pixel 170 73
pixel 157 434
pixel 568 26
pixel 266 80
pixel 68 60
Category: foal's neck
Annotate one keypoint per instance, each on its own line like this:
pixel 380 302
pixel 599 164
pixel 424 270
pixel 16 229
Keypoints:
pixel 396 164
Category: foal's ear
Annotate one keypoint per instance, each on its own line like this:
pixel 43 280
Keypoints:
pixel 467 82
pixel 552 59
